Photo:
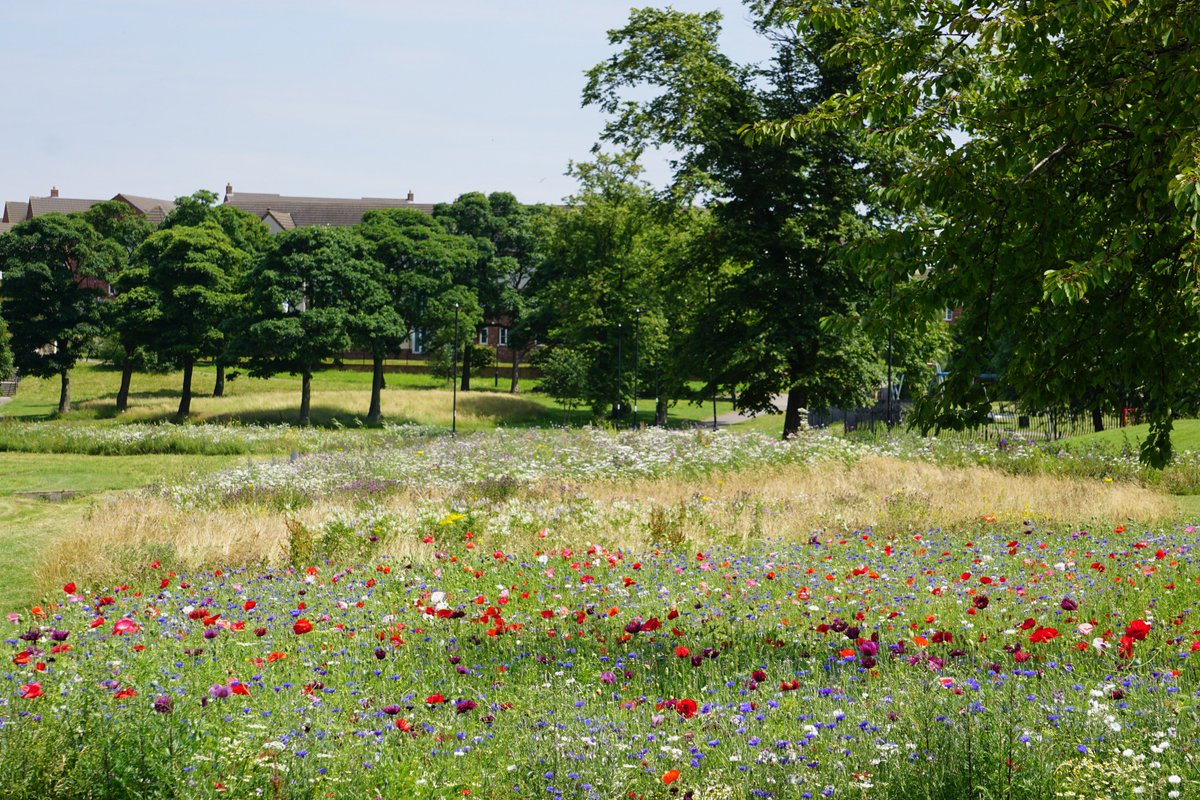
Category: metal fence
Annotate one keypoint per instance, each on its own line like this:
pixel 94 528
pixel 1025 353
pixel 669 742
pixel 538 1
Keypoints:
pixel 1003 423
pixel 9 387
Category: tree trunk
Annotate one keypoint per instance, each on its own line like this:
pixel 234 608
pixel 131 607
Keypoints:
pixel 515 386
pixel 465 386
pixel 126 379
pixel 185 397
pixel 219 388
pixel 1097 419
pixel 375 414
pixel 791 417
pixel 64 394
pixel 305 399
pixel 660 412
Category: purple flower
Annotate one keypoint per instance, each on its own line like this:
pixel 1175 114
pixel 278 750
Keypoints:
pixel 463 706
pixel 607 678
pixel 1068 604
pixel 164 704
pixel 219 691
pixel 391 710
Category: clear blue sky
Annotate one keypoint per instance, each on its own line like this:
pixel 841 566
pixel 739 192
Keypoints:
pixel 338 98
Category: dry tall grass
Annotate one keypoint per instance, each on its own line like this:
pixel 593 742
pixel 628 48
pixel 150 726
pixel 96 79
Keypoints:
pixel 426 406
pixel 887 495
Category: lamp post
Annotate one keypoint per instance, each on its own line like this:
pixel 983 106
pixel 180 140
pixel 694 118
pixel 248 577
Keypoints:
pixel 711 375
pixel 636 324
pixel 889 366
pixel 620 374
pixel 454 379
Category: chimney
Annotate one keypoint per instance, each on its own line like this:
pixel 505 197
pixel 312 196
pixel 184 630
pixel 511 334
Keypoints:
pixel 54 191
pixel 228 190
pixel 410 196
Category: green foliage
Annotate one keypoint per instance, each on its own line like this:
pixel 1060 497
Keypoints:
pixel 510 246
pixel 54 268
pixel 1049 191
pixel 303 300
pixel 189 274
pixel 608 273
pixel 564 376
pixel 184 291
pixel 767 268
pixel 6 357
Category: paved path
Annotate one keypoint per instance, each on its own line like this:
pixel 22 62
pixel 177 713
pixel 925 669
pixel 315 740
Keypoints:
pixel 734 417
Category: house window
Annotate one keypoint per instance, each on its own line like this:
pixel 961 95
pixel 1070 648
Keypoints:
pixel 418 342
pixel 504 337
pixel 483 339
pixel 948 315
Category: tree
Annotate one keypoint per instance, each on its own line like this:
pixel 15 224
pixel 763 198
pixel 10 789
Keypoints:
pixel 303 301
pixel 564 376
pixel 129 313
pixel 510 239
pixel 769 264
pixel 419 259
pixel 1051 191
pixel 190 276
pixel 7 367
pixel 605 275
pixel 54 268
pixel 245 231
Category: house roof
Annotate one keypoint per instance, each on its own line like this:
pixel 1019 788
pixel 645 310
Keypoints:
pixel 15 211
pixel 152 208
pixel 5 227
pixel 58 205
pixel 282 218
pixel 330 211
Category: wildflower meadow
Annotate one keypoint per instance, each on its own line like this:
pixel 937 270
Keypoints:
pixel 998 658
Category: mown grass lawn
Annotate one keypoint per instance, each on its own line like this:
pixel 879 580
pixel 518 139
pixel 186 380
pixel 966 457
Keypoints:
pixel 340 399
pixel 43 495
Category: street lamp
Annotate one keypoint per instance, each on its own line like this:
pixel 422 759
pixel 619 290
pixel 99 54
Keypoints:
pixel 636 324
pixel 454 378
pixel 889 359
pixel 620 374
pixel 711 375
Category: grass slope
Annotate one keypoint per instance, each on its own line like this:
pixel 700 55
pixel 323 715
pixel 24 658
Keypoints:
pixel 41 496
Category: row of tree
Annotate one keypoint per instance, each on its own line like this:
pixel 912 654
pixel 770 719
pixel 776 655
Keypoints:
pixel 1034 164
pixel 211 283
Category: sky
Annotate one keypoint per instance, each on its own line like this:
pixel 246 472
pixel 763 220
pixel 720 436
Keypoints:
pixel 341 98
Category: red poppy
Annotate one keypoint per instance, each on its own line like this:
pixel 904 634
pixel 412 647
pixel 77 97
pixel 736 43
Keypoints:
pixel 237 687
pixel 434 699
pixel 69 588
pixel 31 690
pixel 687 708
pixel 1137 630
pixel 125 693
pixel 1043 635
pixel 302 626
pixel 670 776
pixel 682 652
pixel 248 605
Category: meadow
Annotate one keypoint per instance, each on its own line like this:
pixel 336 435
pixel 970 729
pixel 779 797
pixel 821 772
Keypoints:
pixel 582 613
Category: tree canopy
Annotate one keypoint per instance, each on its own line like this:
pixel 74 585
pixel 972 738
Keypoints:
pixel 769 264
pixel 303 302
pixel 1051 191
pixel 190 275
pixel 54 268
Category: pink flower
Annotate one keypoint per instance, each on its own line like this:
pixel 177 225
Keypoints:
pixel 125 625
